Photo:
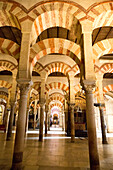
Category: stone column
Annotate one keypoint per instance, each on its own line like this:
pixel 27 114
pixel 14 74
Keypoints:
pixel 27 119
pixel 66 115
pixel 46 110
pixel 20 131
pixel 92 138
pixel 11 118
pixel 72 104
pixel 48 121
pixel 7 117
pixel 42 106
pixel 27 112
pixel 42 109
pixel 60 119
pixel 35 113
pixel 63 119
pixel 12 108
pixel 100 100
pixel 104 139
pixel 39 114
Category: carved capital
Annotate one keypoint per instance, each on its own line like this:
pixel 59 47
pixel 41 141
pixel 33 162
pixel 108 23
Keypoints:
pixel 72 105
pixel 89 86
pixel 24 86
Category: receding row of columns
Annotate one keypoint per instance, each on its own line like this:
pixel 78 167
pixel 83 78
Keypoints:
pixel 24 88
pixel 19 142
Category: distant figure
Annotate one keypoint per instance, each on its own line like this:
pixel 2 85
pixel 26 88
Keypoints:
pixel 50 123
pixel 55 122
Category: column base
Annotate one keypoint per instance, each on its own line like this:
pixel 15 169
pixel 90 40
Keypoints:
pixel 95 167
pixel 17 166
pixel 17 161
pixel 72 139
pixel 40 137
pixel 9 137
pixel 46 131
pixel 104 142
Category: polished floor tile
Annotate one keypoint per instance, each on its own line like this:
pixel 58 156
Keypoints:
pixel 56 152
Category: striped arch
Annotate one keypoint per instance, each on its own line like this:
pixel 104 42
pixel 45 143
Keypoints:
pixel 9 47
pixel 38 67
pixel 60 67
pixel 108 88
pixel 54 45
pixel 5 84
pixel 105 68
pixel 36 86
pixel 53 14
pixel 103 47
pixel 57 85
pixel 6 65
pixel 4 97
pixel 56 97
pixel 57 104
pixel 8 19
pixel 13 13
pixel 101 14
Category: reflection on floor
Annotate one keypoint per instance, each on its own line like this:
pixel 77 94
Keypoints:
pixel 56 152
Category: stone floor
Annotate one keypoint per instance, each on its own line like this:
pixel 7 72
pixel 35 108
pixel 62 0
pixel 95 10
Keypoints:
pixel 55 153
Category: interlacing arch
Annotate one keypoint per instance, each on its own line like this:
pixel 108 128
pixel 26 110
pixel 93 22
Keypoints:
pixel 5 84
pixel 4 97
pixel 56 97
pixel 57 85
pixel 54 45
pixel 53 14
pixel 61 67
pixel 12 13
pixel 105 68
pixel 108 88
pixel 59 105
pixel 36 86
pixel 9 47
pixel 101 14
pixel 102 47
pixel 38 67
pixel 8 19
pixel 6 65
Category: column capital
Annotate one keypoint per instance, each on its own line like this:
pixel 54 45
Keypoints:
pixel 46 108
pixel 42 104
pixel 24 86
pixel 72 105
pixel 89 85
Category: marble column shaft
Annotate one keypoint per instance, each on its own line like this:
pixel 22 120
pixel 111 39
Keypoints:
pixel 11 118
pixel 72 122
pixel 66 116
pixel 42 108
pixel 12 108
pixel 100 99
pixel 104 139
pixel 91 126
pixel 72 104
pixel 20 131
pixel 48 122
